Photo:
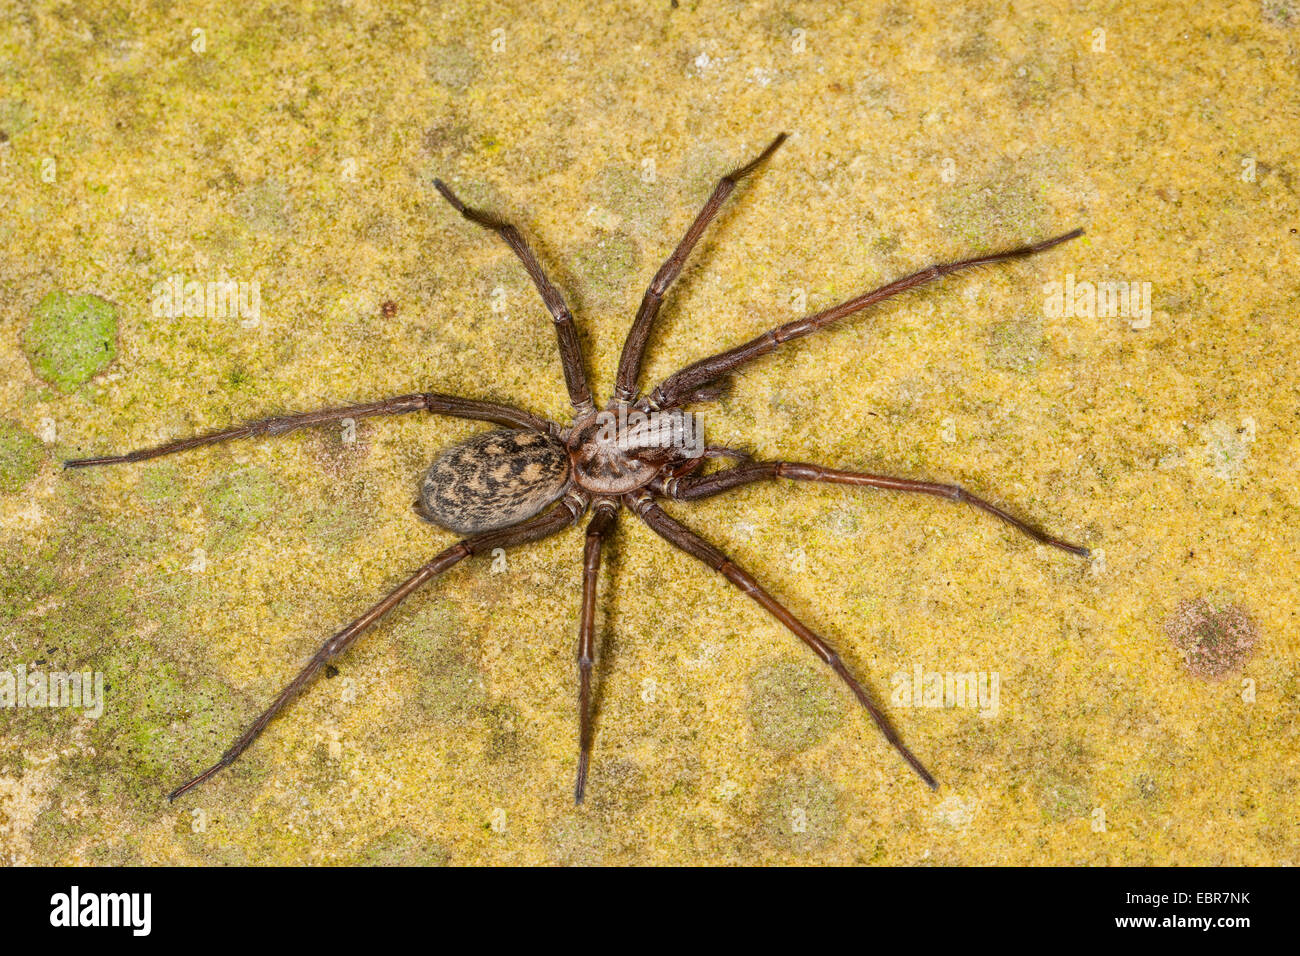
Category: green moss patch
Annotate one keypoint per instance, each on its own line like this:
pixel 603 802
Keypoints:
pixel 20 458
pixel 71 339
pixel 800 812
pixel 237 503
pixel 792 706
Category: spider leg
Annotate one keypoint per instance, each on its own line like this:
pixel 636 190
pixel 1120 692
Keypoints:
pixel 602 522
pixel 629 365
pixel 686 540
pixel 401 404
pixel 534 529
pixel 575 377
pixel 694 487
pixel 674 390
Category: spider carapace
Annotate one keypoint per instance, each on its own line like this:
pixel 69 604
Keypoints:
pixel 532 477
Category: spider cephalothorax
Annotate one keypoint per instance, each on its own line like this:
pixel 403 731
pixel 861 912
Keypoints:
pixel 532 478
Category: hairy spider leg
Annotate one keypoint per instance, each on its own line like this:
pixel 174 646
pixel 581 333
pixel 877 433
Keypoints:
pixel 686 540
pixel 602 523
pixel 424 401
pixel 629 363
pixel 678 387
pixel 694 487
pixel 534 529
pixel 575 375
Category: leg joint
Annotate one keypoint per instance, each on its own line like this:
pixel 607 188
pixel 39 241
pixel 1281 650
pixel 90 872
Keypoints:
pixel 738 576
pixel 640 502
pixel 576 504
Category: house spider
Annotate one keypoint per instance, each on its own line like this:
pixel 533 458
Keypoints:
pixel 496 487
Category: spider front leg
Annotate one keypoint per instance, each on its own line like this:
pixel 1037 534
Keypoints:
pixel 534 529
pixel 602 523
pixel 677 389
pixel 629 363
pixel 694 487
pixel 683 538
pixel 424 401
pixel 575 375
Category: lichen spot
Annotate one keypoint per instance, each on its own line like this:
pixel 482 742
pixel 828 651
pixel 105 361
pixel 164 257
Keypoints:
pixel 493 480
pixel 1215 641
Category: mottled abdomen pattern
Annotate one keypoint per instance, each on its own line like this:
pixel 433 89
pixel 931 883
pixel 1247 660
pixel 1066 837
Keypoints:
pixel 493 480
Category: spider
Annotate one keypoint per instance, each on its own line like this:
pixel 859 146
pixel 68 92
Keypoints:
pixel 533 478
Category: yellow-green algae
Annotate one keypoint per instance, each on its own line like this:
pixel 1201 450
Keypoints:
pixel 295 147
pixel 71 338
pixel 20 458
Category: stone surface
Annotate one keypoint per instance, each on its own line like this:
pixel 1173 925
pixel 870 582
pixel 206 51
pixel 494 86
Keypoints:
pixel 300 156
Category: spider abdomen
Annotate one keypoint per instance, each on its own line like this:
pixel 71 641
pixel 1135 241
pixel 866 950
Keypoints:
pixel 493 480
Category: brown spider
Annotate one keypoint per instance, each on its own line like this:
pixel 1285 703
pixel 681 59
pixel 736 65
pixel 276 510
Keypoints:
pixel 494 487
